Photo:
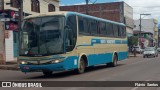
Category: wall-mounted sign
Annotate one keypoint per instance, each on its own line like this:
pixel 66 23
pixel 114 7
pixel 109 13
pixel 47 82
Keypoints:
pixel 4 19
pixel 7 35
pixel 1 4
pixel 11 25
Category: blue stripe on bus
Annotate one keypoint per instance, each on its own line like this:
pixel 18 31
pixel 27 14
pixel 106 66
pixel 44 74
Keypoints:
pixel 104 41
pixel 71 62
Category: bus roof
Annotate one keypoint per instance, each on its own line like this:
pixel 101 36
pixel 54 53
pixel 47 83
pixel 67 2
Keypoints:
pixel 96 18
pixel 66 13
pixel 46 14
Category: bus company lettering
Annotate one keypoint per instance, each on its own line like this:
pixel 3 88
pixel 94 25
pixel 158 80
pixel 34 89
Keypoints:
pixel 103 41
pixel 107 41
pixel 110 41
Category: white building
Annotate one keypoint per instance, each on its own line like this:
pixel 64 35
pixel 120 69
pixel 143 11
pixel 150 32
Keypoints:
pixel 9 15
pixel 148 25
pixel 128 19
pixel 34 6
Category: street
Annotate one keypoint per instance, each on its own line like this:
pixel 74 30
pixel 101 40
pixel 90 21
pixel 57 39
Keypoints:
pixel 132 69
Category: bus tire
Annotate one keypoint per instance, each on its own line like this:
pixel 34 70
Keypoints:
pixel 114 63
pixel 81 67
pixel 47 73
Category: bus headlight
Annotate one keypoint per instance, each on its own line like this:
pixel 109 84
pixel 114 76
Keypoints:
pixel 24 62
pixel 57 60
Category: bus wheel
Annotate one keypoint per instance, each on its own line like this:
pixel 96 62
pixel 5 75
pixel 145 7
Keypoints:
pixel 81 67
pixel 47 73
pixel 114 63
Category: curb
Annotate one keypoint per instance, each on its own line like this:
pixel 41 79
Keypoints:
pixel 9 67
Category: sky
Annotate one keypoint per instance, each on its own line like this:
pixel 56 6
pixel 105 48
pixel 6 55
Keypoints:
pixel 139 6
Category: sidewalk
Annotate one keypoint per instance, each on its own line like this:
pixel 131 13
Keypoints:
pixel 9 66
pixel 137 55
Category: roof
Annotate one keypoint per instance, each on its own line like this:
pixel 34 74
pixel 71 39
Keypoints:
pixel 97 18
pixel 47 14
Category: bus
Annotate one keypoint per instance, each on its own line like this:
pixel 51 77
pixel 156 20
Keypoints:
pixel 64 41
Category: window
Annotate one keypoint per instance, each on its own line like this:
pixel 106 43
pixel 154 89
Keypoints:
pixel 109 28
pixel 115 29
pixel 123 31
pixel 80 24
pixel 102 29
pixel 119 32
pixel 71 34
pixel 35 6
pixel 51 8
pixel 14 3
pixel 83 25
pixel 93 27
pixel 86 25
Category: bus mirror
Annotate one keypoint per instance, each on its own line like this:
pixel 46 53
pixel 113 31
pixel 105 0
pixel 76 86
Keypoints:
pixel 17 30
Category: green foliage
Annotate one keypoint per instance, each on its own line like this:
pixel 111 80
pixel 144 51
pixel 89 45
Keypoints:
pixel 133 40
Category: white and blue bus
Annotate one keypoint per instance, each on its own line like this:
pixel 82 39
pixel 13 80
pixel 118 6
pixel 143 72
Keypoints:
pixel 63 41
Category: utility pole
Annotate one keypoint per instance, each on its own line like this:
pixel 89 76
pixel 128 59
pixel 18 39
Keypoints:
pixel 87 6
pixel 140 26
pixel 2 43
pixel 20 10
pixel 2 36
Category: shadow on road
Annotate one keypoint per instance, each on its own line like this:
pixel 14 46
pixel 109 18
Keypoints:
pixel 72 73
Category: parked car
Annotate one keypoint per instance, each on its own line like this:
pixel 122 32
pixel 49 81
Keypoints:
pixel 158 49
pixel 138 49
pixel 150 51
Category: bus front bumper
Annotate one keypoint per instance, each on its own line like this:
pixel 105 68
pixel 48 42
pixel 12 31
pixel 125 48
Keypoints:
pixel 40 68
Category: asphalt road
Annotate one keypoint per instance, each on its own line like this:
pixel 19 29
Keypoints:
pixel 132 69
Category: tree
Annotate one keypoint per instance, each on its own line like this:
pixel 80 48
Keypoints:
pixel 133 40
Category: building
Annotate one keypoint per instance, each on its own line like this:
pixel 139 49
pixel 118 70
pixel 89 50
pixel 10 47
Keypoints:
pixel 115 11
pixel 159 36
pixel 9 16
pixel 147 26
pixel 146 39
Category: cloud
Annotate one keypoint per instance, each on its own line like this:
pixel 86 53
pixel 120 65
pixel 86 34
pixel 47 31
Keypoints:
pixel 145 6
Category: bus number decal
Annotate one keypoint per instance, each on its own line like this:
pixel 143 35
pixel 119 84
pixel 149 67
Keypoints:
pixel 75 61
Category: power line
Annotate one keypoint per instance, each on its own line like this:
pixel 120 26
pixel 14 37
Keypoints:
pixel 93 2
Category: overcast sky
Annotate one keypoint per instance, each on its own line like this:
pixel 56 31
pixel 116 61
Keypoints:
pixel 145 6
pixel 139 6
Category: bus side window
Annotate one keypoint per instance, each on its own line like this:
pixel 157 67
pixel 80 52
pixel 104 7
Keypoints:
pixel 115 29
pixel 119 31
pixel 110 31
pixel 123 31
pixel 81 25
pixel 86 25
pixel 103 30
pixel 93 27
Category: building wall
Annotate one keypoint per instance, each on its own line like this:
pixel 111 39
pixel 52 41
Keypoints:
pixel 115 11
pixel 159 37
pixel 156 31
pixel 10 46
pixel 27 6
pixel 1 4
pixel 110 11
pixel 128 17
pixel 147 25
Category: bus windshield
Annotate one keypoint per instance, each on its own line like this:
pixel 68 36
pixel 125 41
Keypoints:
pixel 42 36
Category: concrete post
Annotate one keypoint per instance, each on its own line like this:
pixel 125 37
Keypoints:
pixel 2 44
